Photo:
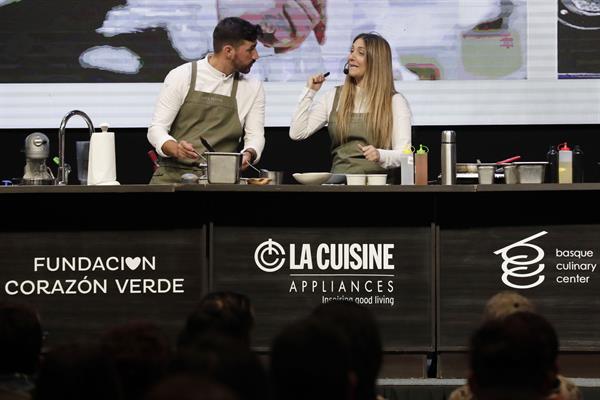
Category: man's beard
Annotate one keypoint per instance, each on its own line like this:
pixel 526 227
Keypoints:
pixel 243 68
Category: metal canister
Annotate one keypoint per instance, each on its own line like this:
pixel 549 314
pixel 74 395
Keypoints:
pixel 448 157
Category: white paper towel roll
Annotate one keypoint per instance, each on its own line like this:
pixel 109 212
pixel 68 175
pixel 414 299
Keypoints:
pixel 102 166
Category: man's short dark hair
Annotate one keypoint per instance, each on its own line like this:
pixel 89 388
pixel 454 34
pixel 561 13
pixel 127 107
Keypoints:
pixel 234 31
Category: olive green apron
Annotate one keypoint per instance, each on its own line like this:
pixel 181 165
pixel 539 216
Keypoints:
pixel 347 157
pixel 211 116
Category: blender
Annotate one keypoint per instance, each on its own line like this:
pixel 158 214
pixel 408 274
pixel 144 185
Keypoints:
pixel 37 149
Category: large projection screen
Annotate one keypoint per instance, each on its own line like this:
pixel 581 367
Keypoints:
pixel 458 62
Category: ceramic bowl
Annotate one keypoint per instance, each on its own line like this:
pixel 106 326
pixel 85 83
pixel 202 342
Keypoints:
pixel 312 178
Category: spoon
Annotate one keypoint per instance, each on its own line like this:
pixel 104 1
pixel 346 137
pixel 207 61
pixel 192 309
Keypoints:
pixel 254 168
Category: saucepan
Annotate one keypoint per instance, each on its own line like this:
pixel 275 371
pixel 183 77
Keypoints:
pixel 223 167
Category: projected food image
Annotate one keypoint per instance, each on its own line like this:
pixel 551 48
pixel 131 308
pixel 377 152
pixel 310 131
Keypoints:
pixel 578 39
pixel 141 40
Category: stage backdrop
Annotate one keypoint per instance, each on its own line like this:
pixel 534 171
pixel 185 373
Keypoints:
pixel 458 62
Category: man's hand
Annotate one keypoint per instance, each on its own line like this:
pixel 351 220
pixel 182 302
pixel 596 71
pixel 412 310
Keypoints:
pixel 247 157
pixel 182 150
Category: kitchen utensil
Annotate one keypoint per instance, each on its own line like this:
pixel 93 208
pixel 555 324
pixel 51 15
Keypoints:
pixel 82 155
pixel 471 168
pixel 212 149
pixel 254 168
pixel 223 167
pixel 207 145
pixel 154 159
pixel 531 172
pixel 189 178
pixel 486 174
pixel 275 176
pixel 449 165
pixel 511 174
pixel 508 160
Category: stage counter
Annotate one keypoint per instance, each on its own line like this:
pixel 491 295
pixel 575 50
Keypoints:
pixel 423 259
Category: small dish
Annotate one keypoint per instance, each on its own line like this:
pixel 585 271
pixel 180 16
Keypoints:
pixel 356 179
pixel 377 179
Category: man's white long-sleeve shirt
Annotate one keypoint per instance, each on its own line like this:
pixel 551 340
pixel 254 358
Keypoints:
pixel 250 100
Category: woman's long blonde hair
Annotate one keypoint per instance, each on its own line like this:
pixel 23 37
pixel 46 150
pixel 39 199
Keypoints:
pixel 378 89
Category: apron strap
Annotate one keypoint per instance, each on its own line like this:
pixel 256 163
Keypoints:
pixel 193 79
pixel 336 99
pixel 236 79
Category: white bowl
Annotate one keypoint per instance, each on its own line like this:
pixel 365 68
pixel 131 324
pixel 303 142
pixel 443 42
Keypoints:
pixel 312 178
pixel 356 179
pixel 377 179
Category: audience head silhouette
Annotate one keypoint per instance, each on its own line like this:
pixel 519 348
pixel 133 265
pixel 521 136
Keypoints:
pixel 223 313
pixel 310 361
pixel 358 324
pixel 514 358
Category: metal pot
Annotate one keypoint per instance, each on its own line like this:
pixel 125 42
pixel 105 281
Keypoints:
pixel 223 167
pixel 275 176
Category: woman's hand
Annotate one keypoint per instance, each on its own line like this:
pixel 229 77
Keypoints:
pixel 315 82
pixel 370 152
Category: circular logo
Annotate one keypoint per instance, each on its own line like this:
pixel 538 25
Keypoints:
pixel 269 256
pixel 517 266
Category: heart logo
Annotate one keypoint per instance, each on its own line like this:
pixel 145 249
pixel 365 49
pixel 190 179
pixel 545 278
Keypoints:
pixel 133 263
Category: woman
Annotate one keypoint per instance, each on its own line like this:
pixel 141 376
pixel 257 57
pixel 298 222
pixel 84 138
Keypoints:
pixel 368 121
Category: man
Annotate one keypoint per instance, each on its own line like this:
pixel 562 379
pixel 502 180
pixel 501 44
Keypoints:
pixel 210 99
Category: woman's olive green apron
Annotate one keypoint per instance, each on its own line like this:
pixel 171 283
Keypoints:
pixel 347 157
pixel 212 116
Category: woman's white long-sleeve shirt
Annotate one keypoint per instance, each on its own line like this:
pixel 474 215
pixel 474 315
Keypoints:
pixel 310 116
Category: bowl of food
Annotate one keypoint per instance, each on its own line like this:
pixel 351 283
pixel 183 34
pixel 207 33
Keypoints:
pixel 259 181
pixel 312 178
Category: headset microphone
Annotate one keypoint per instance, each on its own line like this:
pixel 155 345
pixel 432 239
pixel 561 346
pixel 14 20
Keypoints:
pixel 346 70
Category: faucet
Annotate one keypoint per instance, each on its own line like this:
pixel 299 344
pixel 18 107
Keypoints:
pixel 62 176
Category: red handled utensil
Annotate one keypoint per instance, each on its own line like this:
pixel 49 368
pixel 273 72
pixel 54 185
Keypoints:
pixel 508 160
pixel 154 158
